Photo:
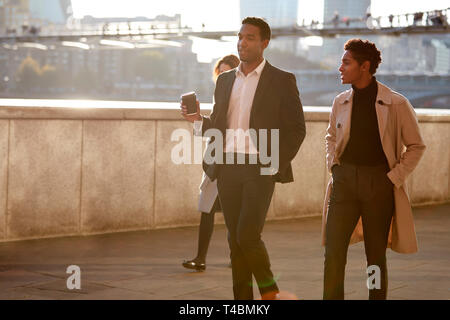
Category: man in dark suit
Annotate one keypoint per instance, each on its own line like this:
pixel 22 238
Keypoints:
pixel 253 97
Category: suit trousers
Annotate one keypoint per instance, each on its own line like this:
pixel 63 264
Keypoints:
pixel 245 197
pixel 357 191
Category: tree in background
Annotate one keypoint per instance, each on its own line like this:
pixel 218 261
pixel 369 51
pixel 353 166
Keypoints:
pixel 28 74
pixel 31 76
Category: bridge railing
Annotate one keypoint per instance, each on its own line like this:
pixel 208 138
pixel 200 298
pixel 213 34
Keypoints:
pixel 436 21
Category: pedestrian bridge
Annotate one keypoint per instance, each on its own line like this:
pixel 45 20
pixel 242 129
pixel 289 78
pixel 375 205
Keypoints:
pixel 89 167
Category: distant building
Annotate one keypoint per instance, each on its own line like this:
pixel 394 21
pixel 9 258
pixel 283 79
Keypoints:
pixel 418 53
pixel 346 9
pixel 441 56
pixel 110 72
pixel 278 13
pixel 44 12
pixel 2 14
pixel 13 14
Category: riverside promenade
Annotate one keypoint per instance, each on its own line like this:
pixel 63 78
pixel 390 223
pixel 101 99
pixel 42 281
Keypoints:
pixel 94 184
pixel 147 264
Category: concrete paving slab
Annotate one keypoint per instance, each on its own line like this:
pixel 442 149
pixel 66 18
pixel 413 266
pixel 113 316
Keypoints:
pixel 18 278
pixel 147 264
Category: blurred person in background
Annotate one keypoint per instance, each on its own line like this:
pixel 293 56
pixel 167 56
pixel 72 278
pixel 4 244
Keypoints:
pixel 209 202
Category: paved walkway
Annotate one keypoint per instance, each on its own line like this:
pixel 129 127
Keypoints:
pixel 147 264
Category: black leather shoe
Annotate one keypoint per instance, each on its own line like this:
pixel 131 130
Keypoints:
pixel 190 264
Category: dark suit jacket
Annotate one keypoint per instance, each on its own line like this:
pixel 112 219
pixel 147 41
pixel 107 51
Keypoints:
pixel 276 105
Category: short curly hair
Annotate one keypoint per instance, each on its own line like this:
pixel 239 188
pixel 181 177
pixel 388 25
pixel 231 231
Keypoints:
pixel 364 50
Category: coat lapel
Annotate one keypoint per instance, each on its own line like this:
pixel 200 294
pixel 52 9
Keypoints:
pixel 261 89
pixel 382 108
pixel 344 120
pixel 221 120
pixel 228 88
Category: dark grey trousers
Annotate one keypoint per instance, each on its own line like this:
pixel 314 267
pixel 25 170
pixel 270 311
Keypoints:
pixel 245 197
pixel 365 192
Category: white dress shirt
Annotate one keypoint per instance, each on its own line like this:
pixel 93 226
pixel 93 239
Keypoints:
pixel 239 109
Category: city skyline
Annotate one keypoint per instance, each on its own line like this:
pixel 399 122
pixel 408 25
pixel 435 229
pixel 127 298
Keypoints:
pixel 101 69
pixel 278 13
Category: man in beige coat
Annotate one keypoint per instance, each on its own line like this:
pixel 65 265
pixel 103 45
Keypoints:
pixel 373 143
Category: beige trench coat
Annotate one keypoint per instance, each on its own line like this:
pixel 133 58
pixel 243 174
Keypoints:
pixel 403 147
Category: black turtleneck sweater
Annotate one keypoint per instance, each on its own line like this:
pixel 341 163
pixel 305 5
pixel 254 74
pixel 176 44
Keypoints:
pixel 364 146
